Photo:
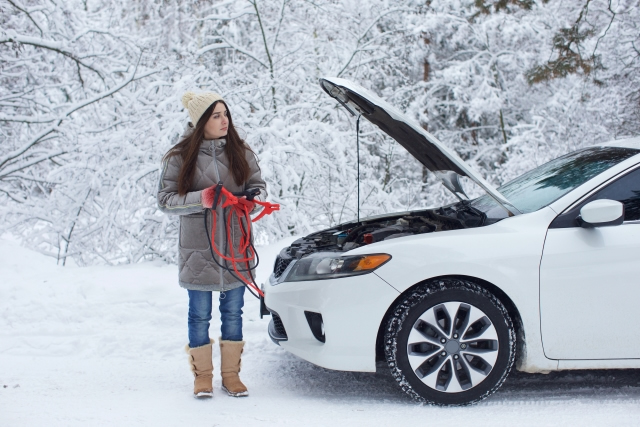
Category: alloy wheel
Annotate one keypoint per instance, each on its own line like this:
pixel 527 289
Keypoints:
pixel 452 347
pixel 450 342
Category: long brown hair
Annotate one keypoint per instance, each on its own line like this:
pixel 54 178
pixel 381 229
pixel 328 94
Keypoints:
pixel 189 147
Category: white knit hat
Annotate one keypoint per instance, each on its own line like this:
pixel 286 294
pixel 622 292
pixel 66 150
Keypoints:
pixel 197 104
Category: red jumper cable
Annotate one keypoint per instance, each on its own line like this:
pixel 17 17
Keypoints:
pixel 240 206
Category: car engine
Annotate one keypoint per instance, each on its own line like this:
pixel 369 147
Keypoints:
pixel 351 235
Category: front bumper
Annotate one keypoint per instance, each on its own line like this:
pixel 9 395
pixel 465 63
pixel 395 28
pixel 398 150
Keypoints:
pixel 351 310
pixel 276 329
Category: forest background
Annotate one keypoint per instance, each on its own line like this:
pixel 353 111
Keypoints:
pixel 90 101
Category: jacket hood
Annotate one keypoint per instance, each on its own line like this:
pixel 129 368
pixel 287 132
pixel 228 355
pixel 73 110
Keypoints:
pixel 425 147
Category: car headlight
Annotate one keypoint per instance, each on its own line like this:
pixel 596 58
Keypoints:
pixel 333 267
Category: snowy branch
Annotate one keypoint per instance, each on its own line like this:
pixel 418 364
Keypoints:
pixel 23 9
pixel 58 47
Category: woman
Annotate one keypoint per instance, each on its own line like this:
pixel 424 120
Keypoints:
pixel 211 151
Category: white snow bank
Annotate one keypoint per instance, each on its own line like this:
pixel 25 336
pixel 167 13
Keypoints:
pixel 103 346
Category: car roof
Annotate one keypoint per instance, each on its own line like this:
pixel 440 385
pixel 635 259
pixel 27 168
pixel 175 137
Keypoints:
pixel 623 143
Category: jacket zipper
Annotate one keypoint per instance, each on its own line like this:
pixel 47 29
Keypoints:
pixel 219 232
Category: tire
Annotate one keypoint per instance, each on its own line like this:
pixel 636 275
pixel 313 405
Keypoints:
pixel 466 367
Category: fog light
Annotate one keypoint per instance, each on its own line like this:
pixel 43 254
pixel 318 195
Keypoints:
pixel 316 324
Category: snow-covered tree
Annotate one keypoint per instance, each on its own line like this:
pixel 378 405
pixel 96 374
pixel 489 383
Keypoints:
pixel 90 103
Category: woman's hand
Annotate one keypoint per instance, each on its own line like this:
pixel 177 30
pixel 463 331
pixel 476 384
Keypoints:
pixel 246 203
pixel 208 196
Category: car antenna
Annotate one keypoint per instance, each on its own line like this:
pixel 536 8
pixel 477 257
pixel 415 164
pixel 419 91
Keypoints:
pixel 358 155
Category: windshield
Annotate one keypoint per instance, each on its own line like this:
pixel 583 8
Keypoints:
pixel 547 183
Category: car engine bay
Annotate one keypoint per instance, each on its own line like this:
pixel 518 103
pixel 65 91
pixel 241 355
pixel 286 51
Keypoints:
pixel 351 235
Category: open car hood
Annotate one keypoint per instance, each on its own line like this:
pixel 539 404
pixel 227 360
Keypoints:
pixel 425 147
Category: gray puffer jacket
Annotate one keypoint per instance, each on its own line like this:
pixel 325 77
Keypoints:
pixel 197 269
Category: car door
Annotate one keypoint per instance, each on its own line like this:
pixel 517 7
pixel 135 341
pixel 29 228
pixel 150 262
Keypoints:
pixel 590 281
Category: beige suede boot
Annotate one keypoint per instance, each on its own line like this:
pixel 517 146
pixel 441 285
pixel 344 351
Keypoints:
pixel 202 368
pixel 230 352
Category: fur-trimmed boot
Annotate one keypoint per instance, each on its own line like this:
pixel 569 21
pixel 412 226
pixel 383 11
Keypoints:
pixel 230 352
pixel 202 368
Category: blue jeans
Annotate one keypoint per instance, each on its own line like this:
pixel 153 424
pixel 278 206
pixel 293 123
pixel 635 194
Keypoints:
pixel 200 304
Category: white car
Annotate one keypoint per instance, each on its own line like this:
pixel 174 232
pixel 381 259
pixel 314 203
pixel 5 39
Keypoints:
pixel 543 272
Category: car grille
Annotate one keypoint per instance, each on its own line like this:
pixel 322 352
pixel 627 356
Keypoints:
pixel 279 327
pixel 281 265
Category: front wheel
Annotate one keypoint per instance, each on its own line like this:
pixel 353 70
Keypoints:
pixel 450 342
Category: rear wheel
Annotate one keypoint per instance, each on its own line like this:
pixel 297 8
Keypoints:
pixel 450 342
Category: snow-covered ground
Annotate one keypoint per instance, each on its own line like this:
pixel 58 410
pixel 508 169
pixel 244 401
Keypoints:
pixel 103 346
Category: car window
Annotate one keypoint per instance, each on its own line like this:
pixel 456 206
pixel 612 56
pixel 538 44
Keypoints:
pixel 547 183
pixel 625 189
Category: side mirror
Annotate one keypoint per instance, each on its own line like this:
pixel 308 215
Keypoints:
pixel 601 213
